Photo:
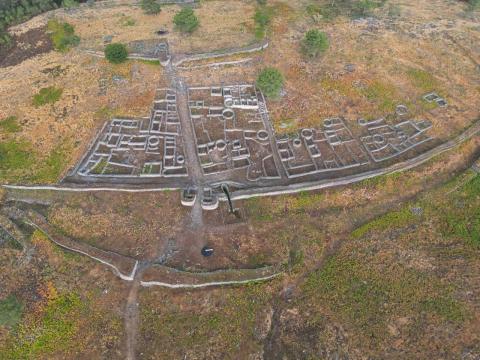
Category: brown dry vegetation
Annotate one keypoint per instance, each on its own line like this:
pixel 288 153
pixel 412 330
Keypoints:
pixel 387 268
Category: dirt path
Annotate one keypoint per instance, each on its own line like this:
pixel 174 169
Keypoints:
pixel 272 348
pixel 131 313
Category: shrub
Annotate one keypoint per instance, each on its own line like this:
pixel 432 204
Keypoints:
pixel 69 4
pixel 270 82
pixel 185 20
pixel 48 95
pixel 62 35
pixel 116 53
pixel 150 7
pixel 314 43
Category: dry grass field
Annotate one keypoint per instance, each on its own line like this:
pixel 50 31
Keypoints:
pixel 387 268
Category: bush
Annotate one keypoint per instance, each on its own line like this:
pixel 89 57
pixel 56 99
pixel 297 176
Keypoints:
pixel 150 7
pixel 48 95
pixel 314 43
pixel 270 82
pixel 68 4
pixel 62 35
pixel 116 53
pixel 185 20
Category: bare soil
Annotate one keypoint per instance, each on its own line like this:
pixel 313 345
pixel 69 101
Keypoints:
pixel 29 44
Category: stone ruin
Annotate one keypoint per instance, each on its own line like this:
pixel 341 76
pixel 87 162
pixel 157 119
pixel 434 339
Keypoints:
pixel 235 144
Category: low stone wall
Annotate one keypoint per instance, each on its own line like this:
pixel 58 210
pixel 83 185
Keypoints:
pixel 123 266
pixel 158 275
pixel 228 52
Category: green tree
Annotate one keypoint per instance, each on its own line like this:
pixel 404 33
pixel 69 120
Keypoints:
pixel 185 20
pixel 314 43
pixel 270 82
pixel 116 53
pixel 150 7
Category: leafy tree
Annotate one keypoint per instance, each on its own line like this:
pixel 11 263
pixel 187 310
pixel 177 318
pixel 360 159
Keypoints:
pixel 185 20
pixel 314 43
pixel 116 53
pixel 270 82
pixel 150 7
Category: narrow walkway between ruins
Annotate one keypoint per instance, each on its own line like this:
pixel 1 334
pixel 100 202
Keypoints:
pixel 193 164
pixel 275 152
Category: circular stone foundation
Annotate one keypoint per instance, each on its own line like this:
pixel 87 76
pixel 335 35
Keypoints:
pixel 401 110
pixel 379 139
pixel 307 133
pixel 180 159
pixel 228 114
pixel 262 135
pixel 327 123
pixel 362 122
pixel 221 145
pixel 228 101
pixel 297 142
pixel 153 141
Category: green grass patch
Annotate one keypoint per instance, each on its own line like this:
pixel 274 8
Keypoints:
pixel 422 79
pixel 10 311
pixel 231 322
pixel 445 307
pixel 62 35
pixel 48 95
pixel 262 18
pixel 127 21
pixel 392 219
pixel 53 332
pixel 329 10
pixel 258 210
pixel 10 125
pixel 20 163
pixel 367 298
pixel 461 219
pixel 100 167
pixel 382 94
pixel 51 168
pixel 14 156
